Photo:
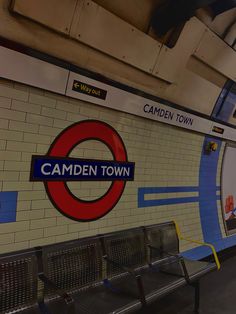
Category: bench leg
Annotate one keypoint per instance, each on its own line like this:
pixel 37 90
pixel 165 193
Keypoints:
pixel 141 290
pixel 197 297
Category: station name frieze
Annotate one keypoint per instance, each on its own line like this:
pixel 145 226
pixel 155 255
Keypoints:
pixel 168 115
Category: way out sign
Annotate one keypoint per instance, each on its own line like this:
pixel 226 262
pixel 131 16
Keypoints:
pixel 56 168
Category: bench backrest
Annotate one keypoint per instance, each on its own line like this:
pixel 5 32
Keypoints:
pixel 164 238
pixel 125 247
pixel 73 265
pixel 18 281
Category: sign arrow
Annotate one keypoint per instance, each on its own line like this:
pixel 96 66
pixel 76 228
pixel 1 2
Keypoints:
pixel 76 85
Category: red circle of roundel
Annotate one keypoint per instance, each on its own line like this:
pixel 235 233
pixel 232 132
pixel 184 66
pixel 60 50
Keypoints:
pixel 58 192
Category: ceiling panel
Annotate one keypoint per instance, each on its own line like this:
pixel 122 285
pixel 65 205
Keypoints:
pixel 104 31
pixel 54 14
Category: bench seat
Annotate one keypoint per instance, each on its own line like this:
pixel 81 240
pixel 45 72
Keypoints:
pixel 77 267
pixel 116 273
pixel 195 269
pixel 99 300
pixel 31 310
pixel 156 283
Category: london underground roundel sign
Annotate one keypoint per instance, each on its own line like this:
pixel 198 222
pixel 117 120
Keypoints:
pixel 56 168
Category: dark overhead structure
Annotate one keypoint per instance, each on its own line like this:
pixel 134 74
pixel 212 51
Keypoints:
pixel 221 6
pixel 174 12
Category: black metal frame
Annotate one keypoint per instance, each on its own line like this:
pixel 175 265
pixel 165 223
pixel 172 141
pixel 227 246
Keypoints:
pixel 136 272
pixel 134 275
pixel 13 261
pixel 178 258
pixel 69 301
pixel 196 286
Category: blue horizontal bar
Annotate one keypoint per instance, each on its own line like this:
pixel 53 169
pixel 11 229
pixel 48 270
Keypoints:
pixel 197 253
pixel 172 189
pixel 168 201
pixel 168 189
pixel 8 196
pixel 8 204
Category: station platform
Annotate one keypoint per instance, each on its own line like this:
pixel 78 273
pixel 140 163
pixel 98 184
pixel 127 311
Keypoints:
pixel 216 294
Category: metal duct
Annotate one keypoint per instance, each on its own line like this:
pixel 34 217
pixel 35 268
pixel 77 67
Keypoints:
pixel 174 12
pixel 220 6
pixel 230 36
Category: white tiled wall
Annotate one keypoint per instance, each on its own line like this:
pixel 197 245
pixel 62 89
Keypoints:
pixel 30 119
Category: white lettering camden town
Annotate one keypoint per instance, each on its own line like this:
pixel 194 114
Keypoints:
pixel 168 115
pixel 48 169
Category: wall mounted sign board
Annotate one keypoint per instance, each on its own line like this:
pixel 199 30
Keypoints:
pixel 22 68
pixel 56 168
pixel 34 72
pixel 89 90
pixel 74 169
pixel 121 100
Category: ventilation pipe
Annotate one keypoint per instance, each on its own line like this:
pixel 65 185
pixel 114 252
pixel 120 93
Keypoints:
pixel 174 12
pixel 230 36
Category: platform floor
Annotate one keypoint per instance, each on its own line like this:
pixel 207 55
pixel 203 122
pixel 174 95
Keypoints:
pixel 218 295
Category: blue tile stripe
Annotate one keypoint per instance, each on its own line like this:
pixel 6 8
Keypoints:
pixel 168 201
pixel 224 105
pixel 208 204
pixel 207 199
pixel 207 195
pixel 208 207
pixel 8 204
pixel 197 253
pixel 169 189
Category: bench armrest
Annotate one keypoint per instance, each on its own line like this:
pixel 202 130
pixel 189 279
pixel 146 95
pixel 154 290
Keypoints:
pixel 200 243
pixel 63 294
pixel 133 273
pixel 122 267
pixel 179 258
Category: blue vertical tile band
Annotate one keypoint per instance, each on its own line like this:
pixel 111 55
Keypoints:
pixel 8 204
pixel 207 193
pixel 207 200
pixel 208 206
pixel 226 102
